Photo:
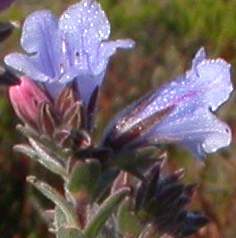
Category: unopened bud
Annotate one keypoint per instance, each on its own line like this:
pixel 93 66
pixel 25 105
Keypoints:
pixel 26 98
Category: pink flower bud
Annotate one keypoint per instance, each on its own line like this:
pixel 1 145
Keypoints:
pixel 26 99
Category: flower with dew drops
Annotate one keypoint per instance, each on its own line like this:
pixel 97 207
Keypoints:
pixel 73 48
pixel 179 112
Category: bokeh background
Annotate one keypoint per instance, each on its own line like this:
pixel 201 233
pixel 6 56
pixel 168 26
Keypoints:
pixel 167 33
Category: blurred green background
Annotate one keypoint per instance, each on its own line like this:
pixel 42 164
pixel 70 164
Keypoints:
pixel 167 33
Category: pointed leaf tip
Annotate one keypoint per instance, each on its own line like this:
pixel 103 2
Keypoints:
pixel 105 211
pixel 51 194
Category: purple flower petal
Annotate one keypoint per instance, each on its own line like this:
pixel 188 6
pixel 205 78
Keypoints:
pixel 199 131
pixel 39 36
pixel 75 47
pixel 91 75
pixel 106 50
pixel 190 122
pixel 85 29
pixel 214 77
pixel 199 57
pixel 28 65
pixel 88 81
pixel 33 67
pixel 84 25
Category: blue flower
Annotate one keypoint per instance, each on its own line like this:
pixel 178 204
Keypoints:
pixel 75 46
pixel 179 112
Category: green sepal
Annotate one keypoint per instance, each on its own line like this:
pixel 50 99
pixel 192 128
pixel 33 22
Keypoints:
pixel 104 183
pixel 43 158
pixel 56 198
pixel 27 131
pixel 83 179
pixel 59 218
pixel 128 222
pixel 69 232
pixel 104 213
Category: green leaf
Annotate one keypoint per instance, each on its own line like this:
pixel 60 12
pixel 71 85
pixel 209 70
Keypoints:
pixel 69 232
pixel 56 198
pixel 44 140
pixel 104 183
pixel 104 213
pixel 59 218
pixel 27 131
pixel 43 158
pixel 128 222
pixel 52 161
pixel 83 179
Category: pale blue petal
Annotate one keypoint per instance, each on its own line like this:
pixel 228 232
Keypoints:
pixel 83 26
pixel 69 75
pixel 200 131
pixel 75 47
pixel 26 65
pixel 92 74
pixel 85 29
pixel 193 96
pixel 208 86
pixel 85 20
pixel 106 50
pixel 199 57
pixel 86 84
pixel 54 88
pixel 39 30
pixel 214 82
pixel 39 36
